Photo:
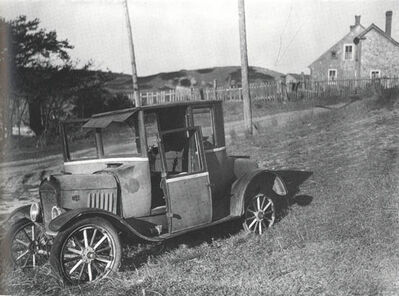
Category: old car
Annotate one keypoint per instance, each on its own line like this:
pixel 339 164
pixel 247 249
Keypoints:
pixel 153 172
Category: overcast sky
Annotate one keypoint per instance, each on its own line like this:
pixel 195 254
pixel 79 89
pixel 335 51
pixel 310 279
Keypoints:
pixel 169 35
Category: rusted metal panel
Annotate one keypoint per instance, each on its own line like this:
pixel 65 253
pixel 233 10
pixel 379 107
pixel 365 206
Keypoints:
pixel 135 185
pixel 80 191
pixel 221 177
pixel 190 202
pixel 242 165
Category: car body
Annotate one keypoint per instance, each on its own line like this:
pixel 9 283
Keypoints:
pixel 153 172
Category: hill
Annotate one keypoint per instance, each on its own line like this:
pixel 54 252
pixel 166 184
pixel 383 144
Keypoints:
pixel 225 76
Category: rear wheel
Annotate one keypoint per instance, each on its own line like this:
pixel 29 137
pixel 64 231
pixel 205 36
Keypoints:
pixel 26 245
pixel 87 251
pixel 260 214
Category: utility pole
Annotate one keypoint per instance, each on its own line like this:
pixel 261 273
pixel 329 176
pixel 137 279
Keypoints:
pixel 244 69
pixel 136 91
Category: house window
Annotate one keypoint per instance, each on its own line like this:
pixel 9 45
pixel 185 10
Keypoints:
pixel 332 74
pixel 374 74
pixel 333 54
pixel 348 52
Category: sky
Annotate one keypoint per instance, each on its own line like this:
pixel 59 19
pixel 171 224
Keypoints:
pixel 170 35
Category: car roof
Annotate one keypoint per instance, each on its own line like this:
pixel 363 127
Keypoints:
pixel 102 120
pixel 160 106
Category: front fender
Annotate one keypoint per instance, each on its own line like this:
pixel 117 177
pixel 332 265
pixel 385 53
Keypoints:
pixel 18 214
pixel 251 183
pixel 139 228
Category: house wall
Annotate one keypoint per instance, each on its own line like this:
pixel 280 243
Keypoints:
pixel 346 69
pixel 378 53
pixel 290 79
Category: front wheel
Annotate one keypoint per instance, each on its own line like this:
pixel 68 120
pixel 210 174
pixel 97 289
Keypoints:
pixel 260 214
pixel 26 245
pixel 87 251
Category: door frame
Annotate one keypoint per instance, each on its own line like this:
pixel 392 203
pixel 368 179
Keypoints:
pixel 177 178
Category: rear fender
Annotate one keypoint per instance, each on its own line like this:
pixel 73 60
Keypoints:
pixel 250 184
pixel 135 227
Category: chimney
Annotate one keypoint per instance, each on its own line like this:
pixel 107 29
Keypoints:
pixel 357 22
pixel 388 22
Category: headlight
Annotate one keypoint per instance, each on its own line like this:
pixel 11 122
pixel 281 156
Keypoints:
pixel 34 211
pixel 55 212
pixel 279 187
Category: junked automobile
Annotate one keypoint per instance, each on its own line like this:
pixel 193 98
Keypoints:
pixel 152 172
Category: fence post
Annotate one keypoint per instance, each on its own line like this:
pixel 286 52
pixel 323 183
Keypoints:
pixel 215 85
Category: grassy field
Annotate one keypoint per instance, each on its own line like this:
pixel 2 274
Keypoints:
pixel 339 237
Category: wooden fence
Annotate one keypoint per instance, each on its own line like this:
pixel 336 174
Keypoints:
pixel 272 91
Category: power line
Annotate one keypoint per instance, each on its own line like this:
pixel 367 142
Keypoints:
pixel 282 33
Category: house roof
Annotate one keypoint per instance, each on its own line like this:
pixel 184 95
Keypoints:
pixel 380 31
pixel 328 50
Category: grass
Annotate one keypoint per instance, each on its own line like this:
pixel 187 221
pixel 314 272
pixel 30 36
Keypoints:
pixel 343 241
pixel 233 110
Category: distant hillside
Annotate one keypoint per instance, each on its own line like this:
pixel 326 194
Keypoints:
pixel 225 76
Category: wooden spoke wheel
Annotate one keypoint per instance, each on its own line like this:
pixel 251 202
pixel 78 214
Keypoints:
pixel 259 214
pixel 26 246
pixel 87 251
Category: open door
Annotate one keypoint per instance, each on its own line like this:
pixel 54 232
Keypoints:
pixel 189 202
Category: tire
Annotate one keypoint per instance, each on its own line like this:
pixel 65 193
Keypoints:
pixel 26 245
pixel 259 213
pixel 86 251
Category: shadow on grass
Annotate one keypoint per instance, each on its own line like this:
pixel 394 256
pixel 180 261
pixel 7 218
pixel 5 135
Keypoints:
pixel 293 179
pixel 142 253
pixel 145 252
pixel 302 200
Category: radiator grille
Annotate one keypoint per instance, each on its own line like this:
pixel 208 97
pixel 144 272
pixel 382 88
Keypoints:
pixel 102 200
pixel 48 198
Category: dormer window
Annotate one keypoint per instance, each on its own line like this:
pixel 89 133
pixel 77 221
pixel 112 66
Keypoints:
pixel 348 52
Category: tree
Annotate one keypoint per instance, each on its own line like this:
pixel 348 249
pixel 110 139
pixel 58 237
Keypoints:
pixel 41 73
pixel 28 55
pixel 31 46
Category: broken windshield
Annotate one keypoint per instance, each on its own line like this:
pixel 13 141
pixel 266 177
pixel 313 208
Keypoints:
pixel 116 139
pixel 81 142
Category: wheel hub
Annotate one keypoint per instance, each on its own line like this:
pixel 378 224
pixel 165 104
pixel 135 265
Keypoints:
pixel 88 254
pixel 260 215
pixel 91 255
pixel 33 247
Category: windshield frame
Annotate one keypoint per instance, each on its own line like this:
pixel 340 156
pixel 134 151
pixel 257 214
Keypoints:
pixel 99 145
pixel 65 144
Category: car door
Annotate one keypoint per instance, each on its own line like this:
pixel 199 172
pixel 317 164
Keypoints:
pixel 186 179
